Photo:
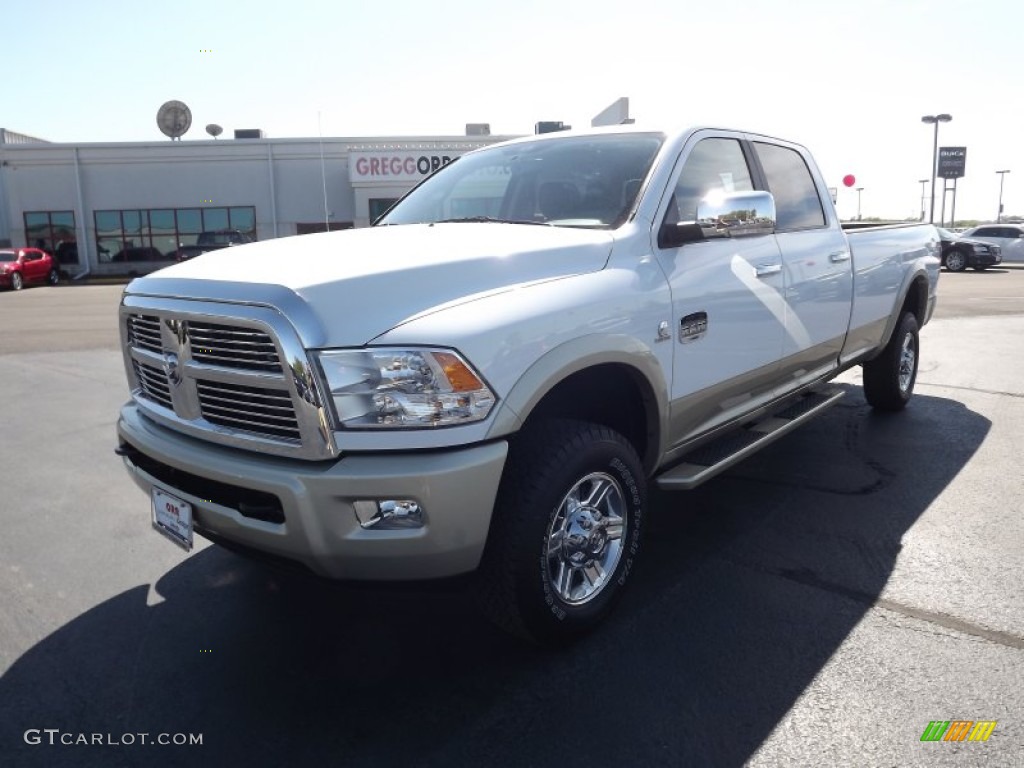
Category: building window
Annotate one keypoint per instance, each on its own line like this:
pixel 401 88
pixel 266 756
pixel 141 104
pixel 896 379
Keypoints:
pixel 378 205
pixel 54 232
pixel 156 234
pixel 308 228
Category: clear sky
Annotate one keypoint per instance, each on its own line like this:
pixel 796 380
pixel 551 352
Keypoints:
pixel 850 79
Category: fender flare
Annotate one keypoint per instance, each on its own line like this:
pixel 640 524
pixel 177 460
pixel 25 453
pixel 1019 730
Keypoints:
pixel 580 354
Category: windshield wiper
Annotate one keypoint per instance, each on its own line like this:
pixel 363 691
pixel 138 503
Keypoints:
pixel 491 219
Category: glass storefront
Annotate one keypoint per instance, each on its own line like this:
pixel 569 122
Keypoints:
pixel 54 232
pixel 157 234
pixel 379 206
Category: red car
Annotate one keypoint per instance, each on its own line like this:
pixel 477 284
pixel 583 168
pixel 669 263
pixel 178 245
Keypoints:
pixel 21 266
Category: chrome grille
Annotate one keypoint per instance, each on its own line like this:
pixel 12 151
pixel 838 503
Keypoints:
pixel 234 374
pixel 266 412
pixel 144 332
pixel 233 347
pixel 153 384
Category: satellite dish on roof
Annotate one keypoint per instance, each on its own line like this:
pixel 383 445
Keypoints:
pixel 214 130
pixel 174 119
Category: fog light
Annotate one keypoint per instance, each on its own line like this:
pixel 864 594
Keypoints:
pixel 389 515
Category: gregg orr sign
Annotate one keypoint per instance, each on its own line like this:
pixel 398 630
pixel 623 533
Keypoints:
pixel 400 166
pixel 952 161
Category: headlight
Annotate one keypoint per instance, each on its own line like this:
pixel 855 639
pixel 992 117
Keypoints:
pixel 382 388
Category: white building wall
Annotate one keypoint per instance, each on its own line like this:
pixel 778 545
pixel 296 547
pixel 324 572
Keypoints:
pixel 283 179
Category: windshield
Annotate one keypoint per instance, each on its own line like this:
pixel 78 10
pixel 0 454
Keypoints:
pixel 575 181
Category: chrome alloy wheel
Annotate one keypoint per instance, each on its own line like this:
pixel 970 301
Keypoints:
pixel 584 540
pixel 908 358
pixel 955 261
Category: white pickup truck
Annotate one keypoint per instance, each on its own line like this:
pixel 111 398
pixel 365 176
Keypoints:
pixel 487 379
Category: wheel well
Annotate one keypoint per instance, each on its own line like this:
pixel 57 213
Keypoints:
pixel 615 395
pixel 917 300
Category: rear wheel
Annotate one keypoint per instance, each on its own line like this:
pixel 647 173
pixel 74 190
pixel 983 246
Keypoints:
pixel 16 281
pixel 956 261
pixel 54 277
pixel 889 378
pixel 565 533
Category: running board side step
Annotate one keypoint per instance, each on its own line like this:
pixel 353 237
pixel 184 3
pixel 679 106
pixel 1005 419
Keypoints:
pixel 718 456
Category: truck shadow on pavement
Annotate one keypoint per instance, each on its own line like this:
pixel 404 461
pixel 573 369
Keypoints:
pixel 748 587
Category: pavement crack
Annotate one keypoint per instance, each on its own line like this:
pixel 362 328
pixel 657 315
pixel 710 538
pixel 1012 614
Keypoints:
pixel 809 578
pixel 972 389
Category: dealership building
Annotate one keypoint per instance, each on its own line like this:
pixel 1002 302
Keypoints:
pixel 126 208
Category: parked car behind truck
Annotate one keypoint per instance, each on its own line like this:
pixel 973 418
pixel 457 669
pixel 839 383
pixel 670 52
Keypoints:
pixel 959 253
pixel 211 241
pixel 488 379
pixel 1009 238
pixel 24 266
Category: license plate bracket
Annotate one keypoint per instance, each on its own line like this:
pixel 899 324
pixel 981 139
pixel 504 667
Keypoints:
pixel 173 518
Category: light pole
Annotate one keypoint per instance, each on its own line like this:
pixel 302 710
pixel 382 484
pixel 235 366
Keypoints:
pixel 935 120
pixel 859 190
pixel 1002 175
pixel 923 196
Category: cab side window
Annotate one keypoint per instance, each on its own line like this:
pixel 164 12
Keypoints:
pixel 714 165
pixel 797 204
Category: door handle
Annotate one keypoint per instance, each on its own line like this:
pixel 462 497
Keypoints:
pixel 763 270
pixel 838 256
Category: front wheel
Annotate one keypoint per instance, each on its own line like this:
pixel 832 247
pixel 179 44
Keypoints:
pixel 16 281
pixel 566 531
pixel 889 378
pixel 956 261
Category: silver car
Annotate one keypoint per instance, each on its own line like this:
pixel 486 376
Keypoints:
pixel 1009 237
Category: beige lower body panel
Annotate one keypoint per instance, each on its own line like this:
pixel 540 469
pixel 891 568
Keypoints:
pixel 455 488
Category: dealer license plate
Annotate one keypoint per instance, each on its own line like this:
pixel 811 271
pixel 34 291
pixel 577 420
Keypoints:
pixel 173 518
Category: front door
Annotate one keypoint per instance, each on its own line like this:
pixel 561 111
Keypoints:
pixel 34 264
pixel 727 299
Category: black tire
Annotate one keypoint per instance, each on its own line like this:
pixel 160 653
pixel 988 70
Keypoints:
pixel 53 278
pixel 16 282
pixel 956 260
pixel 889 378
pixel 527 583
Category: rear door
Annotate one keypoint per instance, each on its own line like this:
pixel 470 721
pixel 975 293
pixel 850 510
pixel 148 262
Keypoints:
pixel 817 263
pixel 728 312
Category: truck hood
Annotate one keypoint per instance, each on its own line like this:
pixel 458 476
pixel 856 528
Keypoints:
pixel 358 284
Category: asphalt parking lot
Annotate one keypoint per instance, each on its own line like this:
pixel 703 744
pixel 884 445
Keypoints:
pixel 820 604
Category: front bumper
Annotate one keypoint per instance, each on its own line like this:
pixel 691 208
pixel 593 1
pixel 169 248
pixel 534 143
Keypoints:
pixel 233 494
pixel 989 259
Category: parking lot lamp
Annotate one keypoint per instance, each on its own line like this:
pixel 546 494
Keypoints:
pixel 924 195
pixel 1002 175
pixel 935 120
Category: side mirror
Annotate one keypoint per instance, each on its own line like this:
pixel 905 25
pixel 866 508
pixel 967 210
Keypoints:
pixel 738 214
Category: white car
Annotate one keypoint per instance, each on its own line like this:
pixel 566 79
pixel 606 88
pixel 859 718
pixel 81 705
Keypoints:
pixel 1009 237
